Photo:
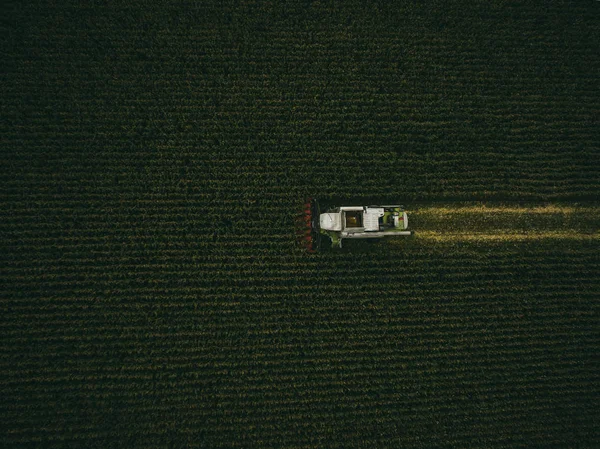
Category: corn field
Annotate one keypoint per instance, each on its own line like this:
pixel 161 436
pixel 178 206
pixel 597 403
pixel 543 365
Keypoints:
pixel 155 156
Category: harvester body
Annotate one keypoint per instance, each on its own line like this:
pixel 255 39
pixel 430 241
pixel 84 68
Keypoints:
pixel 337 223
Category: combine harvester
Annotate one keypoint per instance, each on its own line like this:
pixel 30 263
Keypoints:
pixel 317 227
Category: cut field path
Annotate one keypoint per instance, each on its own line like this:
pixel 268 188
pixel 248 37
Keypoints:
pixel 505 222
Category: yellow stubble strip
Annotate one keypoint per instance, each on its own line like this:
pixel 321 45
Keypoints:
pixel 515 236
pixel 549 209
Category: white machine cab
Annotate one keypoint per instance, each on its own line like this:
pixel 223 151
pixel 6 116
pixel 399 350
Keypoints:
pixel 331 221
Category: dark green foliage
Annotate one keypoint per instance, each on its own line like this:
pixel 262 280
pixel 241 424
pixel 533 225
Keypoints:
pixel 154 158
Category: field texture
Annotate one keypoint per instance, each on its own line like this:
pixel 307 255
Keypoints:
pixel 154 156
